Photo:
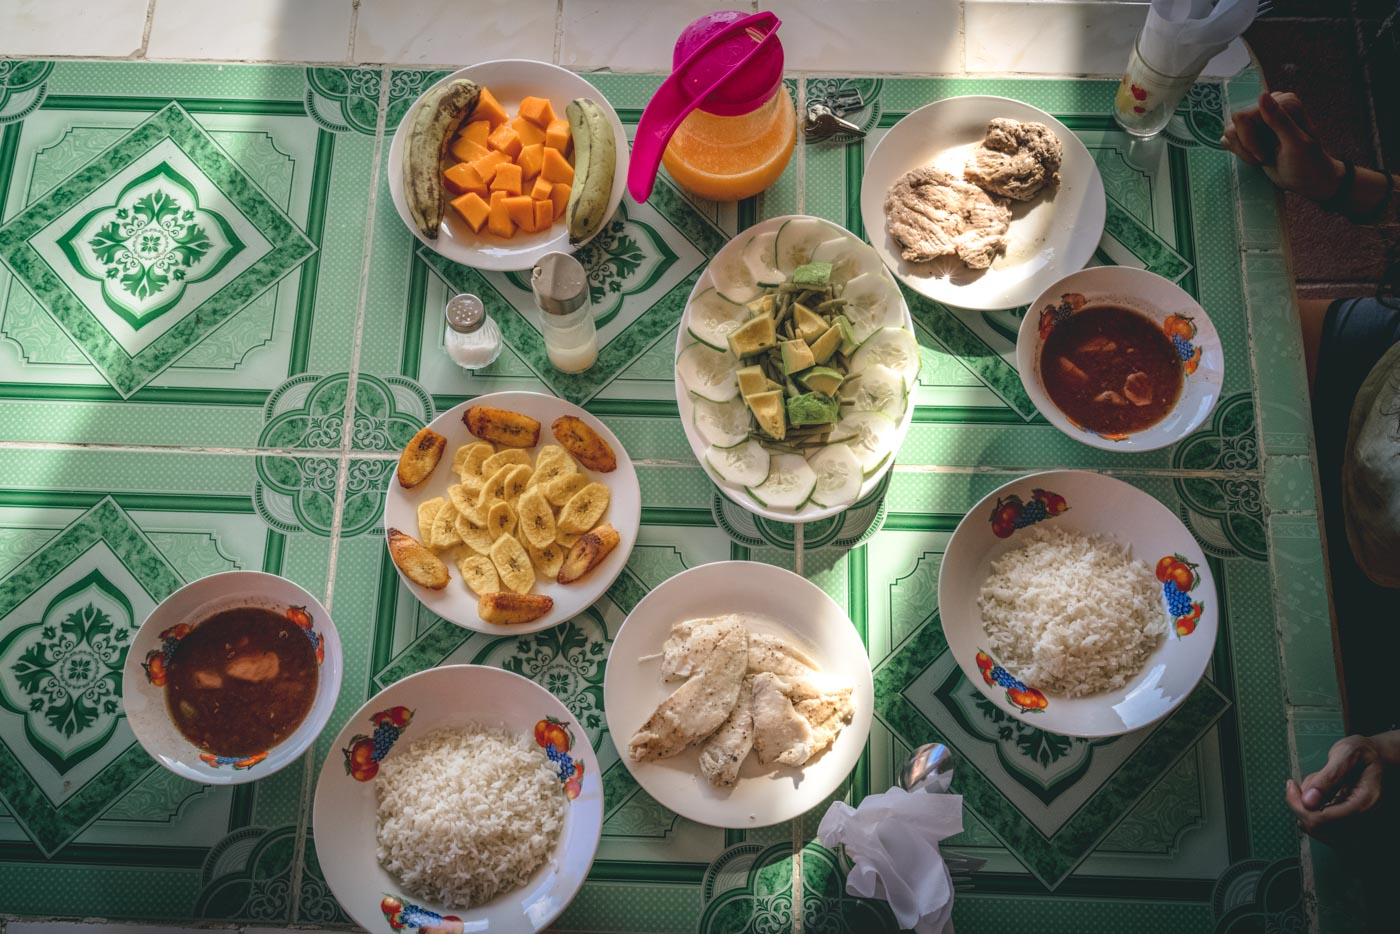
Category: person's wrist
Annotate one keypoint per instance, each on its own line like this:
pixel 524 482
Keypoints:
pixel 1334 194
pixel 1330 185
pixel 1387 746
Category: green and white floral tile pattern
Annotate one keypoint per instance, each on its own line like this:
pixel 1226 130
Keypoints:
pixel 90 824
pixel 166 265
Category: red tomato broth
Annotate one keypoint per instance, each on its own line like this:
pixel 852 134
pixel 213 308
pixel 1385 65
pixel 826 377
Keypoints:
pixel 1111 369
pixel 241 681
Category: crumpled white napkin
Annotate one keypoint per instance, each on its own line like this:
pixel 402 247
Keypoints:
pixel 1180 36
pixel 893 840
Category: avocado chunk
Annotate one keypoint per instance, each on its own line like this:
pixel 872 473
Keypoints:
pixel 812 275
pixel 767 408
pixel 826 345
pixel 753 336
pixel 822 379
pixel 762 305
pixel 848 335
pixel 751 380
pixel 809 324
pixel 812 408
pixel 796 356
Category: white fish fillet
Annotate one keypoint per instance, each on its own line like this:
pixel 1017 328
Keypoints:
pixel 690 643
pixel 780 734
pixel 699 706
pixel 827 715
pixel 726 750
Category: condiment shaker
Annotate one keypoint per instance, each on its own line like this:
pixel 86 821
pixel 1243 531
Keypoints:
pixel 472 339
pixel 560 284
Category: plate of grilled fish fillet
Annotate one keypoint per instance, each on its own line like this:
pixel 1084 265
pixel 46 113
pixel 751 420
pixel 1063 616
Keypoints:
pixel 739 694
pixel 982 202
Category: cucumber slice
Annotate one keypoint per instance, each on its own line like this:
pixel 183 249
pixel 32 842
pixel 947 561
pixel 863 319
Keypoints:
pixel 790 482
pixel 870 436
pixel 730 274
pixel 712 317
pixel 723 424
pixel 709 373
pixel 797 239
pixel 742 465
pixel 849 258
pixel 760 255
pixel 839 475
pixel 895 348
pixel 872 303
pixel 877 389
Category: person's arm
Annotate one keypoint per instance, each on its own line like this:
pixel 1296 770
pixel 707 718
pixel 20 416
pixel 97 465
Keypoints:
pixel 1279 137
pixel 1349 784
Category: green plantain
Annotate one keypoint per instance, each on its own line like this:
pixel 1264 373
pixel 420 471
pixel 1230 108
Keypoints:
pixel 430 128
pixel 595 162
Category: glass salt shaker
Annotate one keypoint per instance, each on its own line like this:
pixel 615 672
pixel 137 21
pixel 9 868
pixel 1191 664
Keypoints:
pixel 473 340
pixel 560 284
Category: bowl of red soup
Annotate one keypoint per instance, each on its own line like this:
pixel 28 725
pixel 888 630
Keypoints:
pixel 1120 359
pixel 232 677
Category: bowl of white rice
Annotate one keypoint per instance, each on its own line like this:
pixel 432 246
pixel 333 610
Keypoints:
pixel 1078 603
pixel 460 798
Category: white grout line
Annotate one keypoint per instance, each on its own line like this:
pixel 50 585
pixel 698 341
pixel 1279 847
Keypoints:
pixel 454 65
pixel 146 30
pixel 170 449
pixel 347 431
pixel 801 147
pixel 559 32
pixel 354 25
pixel 798 920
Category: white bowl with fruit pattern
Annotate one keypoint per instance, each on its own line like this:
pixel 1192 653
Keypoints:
pixel 1165 304
pixel 1092 504
pixel 344 815
pixel 153 647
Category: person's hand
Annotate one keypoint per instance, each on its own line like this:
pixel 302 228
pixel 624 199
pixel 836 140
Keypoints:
pixel 1279 137
pixel 1347 786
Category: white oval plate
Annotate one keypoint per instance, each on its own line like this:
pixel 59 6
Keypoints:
pixel 784 605
pixel 509 80
pixel 344 815
pixel 143 691
pixel 1157 299
pixel 1097 505
pixel 1051 235
pixel 458 604
pixel 698 445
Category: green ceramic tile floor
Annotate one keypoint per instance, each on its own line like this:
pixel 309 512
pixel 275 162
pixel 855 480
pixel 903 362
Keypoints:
pixel 215 333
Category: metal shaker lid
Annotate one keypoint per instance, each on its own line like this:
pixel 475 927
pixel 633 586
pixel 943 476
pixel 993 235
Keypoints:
pixel 560 284
pixel 465 313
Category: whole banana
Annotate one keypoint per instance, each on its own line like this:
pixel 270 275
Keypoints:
pixel 430 128
pixel 595 162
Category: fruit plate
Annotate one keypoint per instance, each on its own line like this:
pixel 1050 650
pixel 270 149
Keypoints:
pixel 1091 504
pixel 786 605
pixel 458 604
pixel 344 814
pixel 509 80
pixel 143 675
pixel 1168 306
pixel 1050 236
pixel 810 512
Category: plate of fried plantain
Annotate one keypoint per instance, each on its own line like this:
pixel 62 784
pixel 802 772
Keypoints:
pixel 443 180
pixel 512 513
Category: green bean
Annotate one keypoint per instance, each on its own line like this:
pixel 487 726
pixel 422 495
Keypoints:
pixel 831 303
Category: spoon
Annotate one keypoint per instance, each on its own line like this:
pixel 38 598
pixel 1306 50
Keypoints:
pixel 929 759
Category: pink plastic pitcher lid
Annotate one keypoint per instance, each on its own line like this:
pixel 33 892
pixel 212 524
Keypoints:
pixel 725 63
pixel 743 89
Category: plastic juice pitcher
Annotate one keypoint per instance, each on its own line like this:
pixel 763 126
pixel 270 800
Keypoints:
pixel 722 123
